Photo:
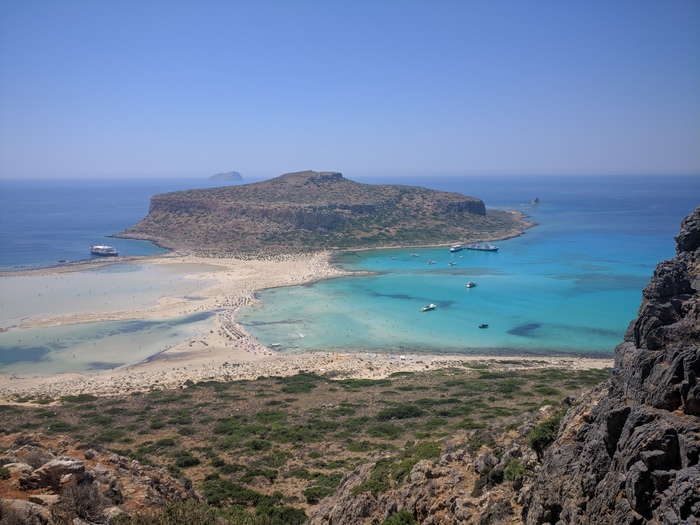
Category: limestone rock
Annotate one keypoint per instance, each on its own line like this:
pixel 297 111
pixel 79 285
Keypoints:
pixel 22 511
pixel 55 474
pixel 630 451
pixel 125 486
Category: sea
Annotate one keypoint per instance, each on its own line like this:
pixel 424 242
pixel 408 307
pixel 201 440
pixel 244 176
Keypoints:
pixel 569 285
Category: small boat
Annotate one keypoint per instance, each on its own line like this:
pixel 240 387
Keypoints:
pixel 428 307
pixel 483 325
pixel 456 248
pixel 452 263
pixel 482 246
pixel 431 262
pixel 103 250
pixel 471 284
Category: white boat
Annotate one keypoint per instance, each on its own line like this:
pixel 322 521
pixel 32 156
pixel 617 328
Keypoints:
pixel 482 246
pixel 456 248
pixel 428 307
pixel 103 250
pixel 471 284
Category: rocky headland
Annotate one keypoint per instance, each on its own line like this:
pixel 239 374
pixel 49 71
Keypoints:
pixel 311 211
pixel 629 452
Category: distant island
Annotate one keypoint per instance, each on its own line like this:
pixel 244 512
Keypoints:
pixel 230 175
pixel 312 211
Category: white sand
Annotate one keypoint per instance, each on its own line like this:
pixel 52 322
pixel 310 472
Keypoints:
pixel 228 352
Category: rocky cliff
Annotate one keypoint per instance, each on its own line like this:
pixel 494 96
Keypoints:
pixel 309 211
pixel 629 453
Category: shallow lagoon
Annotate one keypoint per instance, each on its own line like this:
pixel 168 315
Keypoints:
pixel 529 308
pixel 94 346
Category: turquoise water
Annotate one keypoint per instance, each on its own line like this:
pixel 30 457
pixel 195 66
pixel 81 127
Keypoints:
pixel 570 285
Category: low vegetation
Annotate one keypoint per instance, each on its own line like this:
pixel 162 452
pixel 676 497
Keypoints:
pixel 267 451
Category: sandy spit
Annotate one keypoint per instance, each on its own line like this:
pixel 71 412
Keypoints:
pixel 229 352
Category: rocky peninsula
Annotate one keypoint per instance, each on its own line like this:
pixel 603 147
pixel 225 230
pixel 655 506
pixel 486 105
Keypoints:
pixel 312 211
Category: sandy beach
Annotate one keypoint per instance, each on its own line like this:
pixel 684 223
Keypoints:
pixel 228 352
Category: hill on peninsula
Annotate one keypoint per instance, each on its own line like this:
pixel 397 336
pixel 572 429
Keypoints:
pixel 309 211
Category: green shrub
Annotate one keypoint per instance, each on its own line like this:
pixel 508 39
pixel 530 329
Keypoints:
pixel 165 442
pixel 270 416
pixel 80 398
pixel 109 435
pixel 60 426
pixel 315 494
pixel 402 517
pixel 384 430
pixel 399 412
pixel 184 459
pixel 360 446
pixel 301 383
pixel 514 469
pixel 378 481
pixel 425 450
pixel 222 492
pixel 258 445
pixel 544 434
pixel 547 391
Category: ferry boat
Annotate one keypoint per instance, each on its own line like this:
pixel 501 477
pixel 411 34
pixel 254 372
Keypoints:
pixel 428 307
pixel 456 248
pixel 471 284
pixel 103 250
pixel 482 246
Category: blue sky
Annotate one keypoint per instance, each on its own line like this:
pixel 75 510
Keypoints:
pixel 133 88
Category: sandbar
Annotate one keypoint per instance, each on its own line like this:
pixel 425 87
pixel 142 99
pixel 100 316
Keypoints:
pixel 228 352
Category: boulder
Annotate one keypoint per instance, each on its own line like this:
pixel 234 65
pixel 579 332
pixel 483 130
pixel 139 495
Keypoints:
pixel 55 474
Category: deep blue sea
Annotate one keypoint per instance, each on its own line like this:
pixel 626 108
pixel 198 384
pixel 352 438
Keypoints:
pixel 569 285
pixel 46 221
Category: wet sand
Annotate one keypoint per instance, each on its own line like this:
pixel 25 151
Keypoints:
pixel 228 352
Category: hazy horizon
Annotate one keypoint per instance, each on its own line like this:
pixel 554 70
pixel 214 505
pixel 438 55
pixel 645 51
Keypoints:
pixel 386 89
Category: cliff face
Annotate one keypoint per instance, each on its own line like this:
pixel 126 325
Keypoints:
pixel 629 453
pixel 310 211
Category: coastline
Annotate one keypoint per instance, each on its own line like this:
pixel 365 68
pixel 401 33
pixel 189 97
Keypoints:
pixel 228 352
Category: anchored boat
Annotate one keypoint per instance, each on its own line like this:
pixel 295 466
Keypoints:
pixel 482 246
pixel 103 250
